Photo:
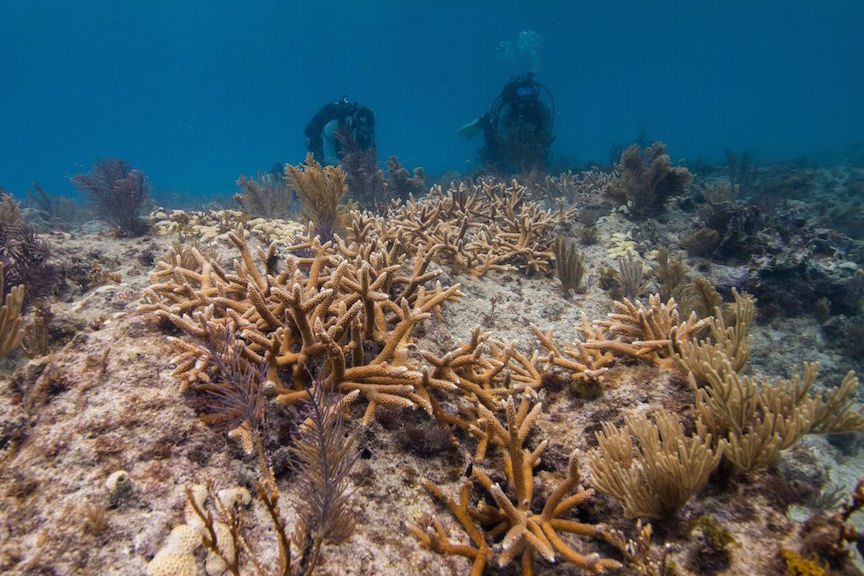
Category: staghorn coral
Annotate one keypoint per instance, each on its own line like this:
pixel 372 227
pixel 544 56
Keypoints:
pixel 646 333
pixel 647 179
pixel 640 557
pixel 658 474
pixel 477 228
pixel 117 193
pixel 584 364
pixel 329 313
pixel 321 191
pixel 503 528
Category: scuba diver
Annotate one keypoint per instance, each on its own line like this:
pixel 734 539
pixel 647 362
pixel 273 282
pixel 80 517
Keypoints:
pixel 333 123
pixel 517 130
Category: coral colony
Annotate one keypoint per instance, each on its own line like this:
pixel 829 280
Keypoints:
pixel 349 372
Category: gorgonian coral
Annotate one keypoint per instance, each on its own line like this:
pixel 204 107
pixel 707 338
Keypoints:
pixel 117 193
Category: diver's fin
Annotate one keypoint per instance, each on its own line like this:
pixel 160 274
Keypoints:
pixel 470 130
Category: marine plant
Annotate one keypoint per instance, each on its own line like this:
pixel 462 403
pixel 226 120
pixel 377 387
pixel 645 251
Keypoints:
pixel 402 184
pixel 58 212
pixel 726 343
pixel 655 476
pixel 25 258
pixel 701 297
pixel 11 333
pixel 232 395
pixel 648 178
pixel 630 274
pixel 740 170
pixel 268 195
pixel 117 193
pixel 759 419
pixel 367 185
pixel 523 149
pixel 323 455
pixel 827 534
pixel 321 191
pixel 671 274
pixel 702 242
pixel 569 265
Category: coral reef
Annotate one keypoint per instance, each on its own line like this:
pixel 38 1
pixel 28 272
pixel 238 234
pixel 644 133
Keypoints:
pixel 367 184
pixel 343 372
pixel 759 419
pixel 401 184
pixel 475 228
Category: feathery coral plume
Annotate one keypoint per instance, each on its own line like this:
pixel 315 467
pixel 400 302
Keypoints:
pixel 323 457
pixel 321 190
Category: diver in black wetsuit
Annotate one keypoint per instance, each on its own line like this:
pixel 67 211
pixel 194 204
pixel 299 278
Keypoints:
pixel 517 130
pixel 335 121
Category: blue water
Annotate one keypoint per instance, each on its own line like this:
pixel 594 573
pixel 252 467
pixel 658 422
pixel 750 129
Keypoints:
pixel 196 92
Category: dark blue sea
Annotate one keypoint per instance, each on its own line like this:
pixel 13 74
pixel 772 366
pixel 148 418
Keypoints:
pixel 196 93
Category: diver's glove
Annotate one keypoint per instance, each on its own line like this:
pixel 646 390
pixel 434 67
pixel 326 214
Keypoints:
pixel 471 129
